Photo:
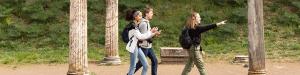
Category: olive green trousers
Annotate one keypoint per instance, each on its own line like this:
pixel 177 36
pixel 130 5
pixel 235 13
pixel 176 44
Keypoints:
pixel 194 58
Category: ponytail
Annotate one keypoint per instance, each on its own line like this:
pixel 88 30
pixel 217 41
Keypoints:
pixel 130 15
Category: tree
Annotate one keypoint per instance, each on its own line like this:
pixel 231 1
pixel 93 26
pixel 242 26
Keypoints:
pixel 111 33
pixel 256 38
pixel 78 61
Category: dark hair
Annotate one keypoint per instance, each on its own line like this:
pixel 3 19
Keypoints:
pixel 129 15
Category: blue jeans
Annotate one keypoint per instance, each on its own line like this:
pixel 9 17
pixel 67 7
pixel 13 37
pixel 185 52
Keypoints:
pixel 149 53
pixel 138 53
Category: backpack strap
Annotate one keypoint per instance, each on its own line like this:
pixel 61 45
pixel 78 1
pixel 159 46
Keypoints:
pixel 130 40
pixel 131 37
pixel 147 25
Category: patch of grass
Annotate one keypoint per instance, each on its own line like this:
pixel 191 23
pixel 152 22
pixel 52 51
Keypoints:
pixel 30 37
pixel 43 55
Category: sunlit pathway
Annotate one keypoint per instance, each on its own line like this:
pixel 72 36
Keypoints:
pixel 163 69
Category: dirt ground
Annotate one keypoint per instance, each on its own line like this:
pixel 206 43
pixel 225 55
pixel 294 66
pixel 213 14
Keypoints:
pixel 163 69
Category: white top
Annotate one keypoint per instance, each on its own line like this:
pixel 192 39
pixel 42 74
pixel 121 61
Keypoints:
pixel 136 35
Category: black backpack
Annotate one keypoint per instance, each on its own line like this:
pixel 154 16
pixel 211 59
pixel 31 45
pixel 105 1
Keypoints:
pixel 185 39
pixel 125 32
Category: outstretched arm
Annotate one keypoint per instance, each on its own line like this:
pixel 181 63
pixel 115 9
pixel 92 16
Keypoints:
pixel 211 26
pixel 204 28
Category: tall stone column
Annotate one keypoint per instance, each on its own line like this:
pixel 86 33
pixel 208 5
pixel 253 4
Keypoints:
pixel 78 61
pixel 111 34
pixel 256 38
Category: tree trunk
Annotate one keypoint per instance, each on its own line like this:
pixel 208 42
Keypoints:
pixel 256 38
pixel 78 61
pixel 111 33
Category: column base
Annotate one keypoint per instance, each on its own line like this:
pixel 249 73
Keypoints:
pixel 111 60
pixel 257 72
pixel 78 73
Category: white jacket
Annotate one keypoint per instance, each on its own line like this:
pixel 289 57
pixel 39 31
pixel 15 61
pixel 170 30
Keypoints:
pixel 135 35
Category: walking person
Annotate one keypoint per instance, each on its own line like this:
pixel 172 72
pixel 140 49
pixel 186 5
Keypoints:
pixel 192 31
pixel 134 35
pixel 146 45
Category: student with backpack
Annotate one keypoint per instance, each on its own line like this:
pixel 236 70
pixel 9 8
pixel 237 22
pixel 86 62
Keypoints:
pixel 133 35
pixel 190 40
pixel 146 45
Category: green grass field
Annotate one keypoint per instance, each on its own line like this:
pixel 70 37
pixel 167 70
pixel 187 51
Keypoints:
pixel 36 31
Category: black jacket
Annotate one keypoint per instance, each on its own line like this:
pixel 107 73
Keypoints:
pixel 195 34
